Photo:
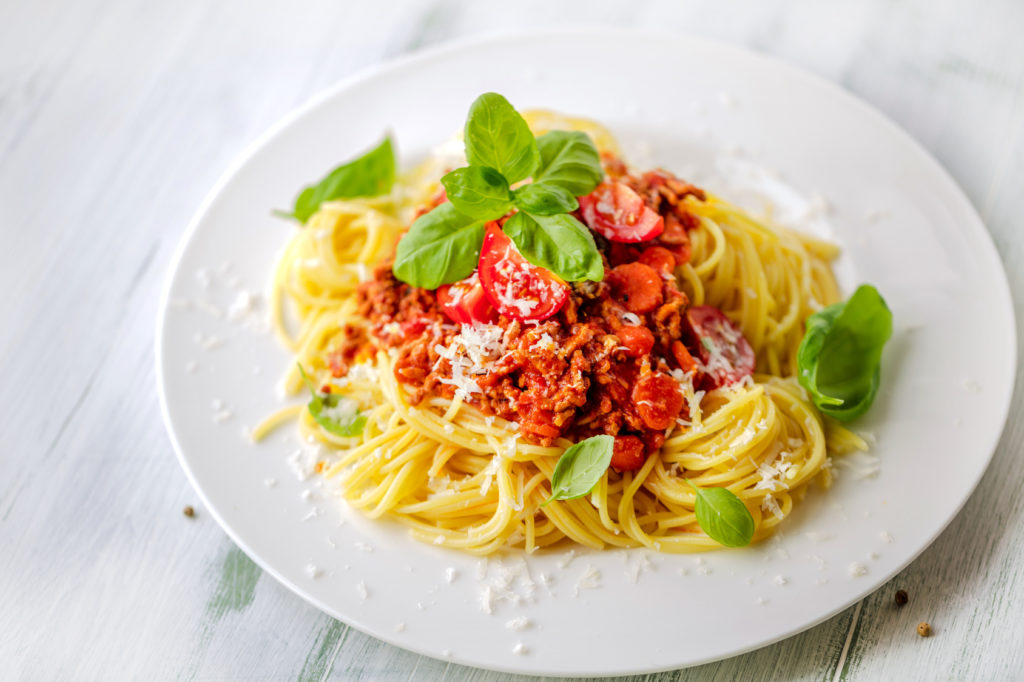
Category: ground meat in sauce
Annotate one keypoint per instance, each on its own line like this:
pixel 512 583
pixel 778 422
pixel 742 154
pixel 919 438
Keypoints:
pixel 601 365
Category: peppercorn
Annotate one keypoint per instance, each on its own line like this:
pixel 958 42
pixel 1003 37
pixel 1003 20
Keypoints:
pixel 901 597
pixel 924 629
pixel 189 511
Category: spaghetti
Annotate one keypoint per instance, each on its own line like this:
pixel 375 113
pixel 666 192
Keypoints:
pixel 459 475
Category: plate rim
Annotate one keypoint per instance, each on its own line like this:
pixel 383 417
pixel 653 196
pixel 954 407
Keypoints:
pixel 483 40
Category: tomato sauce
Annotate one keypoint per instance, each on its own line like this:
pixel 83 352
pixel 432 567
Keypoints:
pixel 610 360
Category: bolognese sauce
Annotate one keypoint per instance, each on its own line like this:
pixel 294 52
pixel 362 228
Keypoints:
pixel 565 360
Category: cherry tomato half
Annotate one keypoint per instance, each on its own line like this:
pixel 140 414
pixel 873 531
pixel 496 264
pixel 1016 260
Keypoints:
pixel 638 341
pixel 514 286
pixel 725 354
pixel 659 258
pixel 465 301
pixel 615 211
pixel 658 400
pixel 636 286
pixel 628 453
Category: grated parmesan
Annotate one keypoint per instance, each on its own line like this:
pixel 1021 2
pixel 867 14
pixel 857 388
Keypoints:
pixel 518 624
pixel 591 579
pixel 631 318
pixel 769 504
pixel 545 342
pixel 771 473
pixel 469 353
pixel 343 412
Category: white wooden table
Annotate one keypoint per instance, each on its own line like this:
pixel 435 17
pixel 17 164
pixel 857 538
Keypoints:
pixel 117 116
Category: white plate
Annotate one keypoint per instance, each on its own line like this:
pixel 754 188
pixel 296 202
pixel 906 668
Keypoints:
pixel 694 106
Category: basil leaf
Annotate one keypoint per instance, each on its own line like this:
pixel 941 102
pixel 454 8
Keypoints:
pixel 478 191
pixel 329 411
pixel 559 243
pixel 580 467
pixel 345 422
pixel 840 357
pixel 441 247
pixel 570 160
pixel 370 175
pixel 498 137
pixel 723 516
pixel 542 198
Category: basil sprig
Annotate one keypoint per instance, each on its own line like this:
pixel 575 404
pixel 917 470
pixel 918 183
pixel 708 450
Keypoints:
pixel 320 406
pixel 723 516
pixel 370 175
pixel 580 468
pixel 443 246
pixel 840 357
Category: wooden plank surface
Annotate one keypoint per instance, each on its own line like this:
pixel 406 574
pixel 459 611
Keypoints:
pixel 117 116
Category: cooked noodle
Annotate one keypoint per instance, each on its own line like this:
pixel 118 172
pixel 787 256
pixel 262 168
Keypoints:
pixel 462 479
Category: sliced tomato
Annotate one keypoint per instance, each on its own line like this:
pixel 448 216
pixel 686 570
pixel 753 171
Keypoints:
pixel 725 355
pixel 659 258
pixel 465 302
pixel 658 399
pixel 628 453
pixel 515 287
pixel 615 211
pixel 638 341
pixel 636 286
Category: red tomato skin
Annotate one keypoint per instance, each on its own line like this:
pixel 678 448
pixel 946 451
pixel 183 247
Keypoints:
pixel 414 326
pixel 659 258
pixel 735 358
pixel 465 302
pixel 616 212
pixel 628 453
pixel 636 286
pixel 638 340
pixel 658 400
pixel 506 276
